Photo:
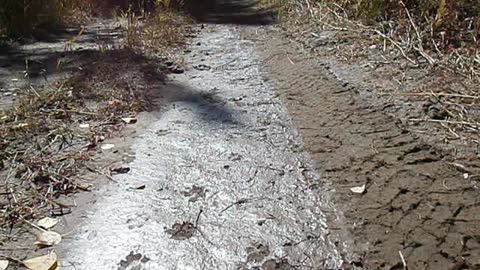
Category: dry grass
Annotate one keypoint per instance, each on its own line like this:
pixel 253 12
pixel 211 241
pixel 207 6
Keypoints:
pixel 45 148
pixel 20 18
pixel 37 137
pixel 45 144
pixel 155 31
pixel 404 40
pixel 439 33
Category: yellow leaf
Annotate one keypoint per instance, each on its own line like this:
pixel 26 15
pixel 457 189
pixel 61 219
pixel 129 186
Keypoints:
pixel 47 222
pixel 48 238
pixel 47 262
pixel 3 264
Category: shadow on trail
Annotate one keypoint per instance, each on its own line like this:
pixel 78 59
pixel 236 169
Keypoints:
pixel 49 53
pixel 246 12
pixel 118 68
pixel 44 62
pixel 207 106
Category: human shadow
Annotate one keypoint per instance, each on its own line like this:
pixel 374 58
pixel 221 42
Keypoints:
pixel 243 12
pixel 206 105
pixel 111 68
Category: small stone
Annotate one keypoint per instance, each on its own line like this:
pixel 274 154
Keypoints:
pixel 107 146
pixel 176 70
pixel 141 187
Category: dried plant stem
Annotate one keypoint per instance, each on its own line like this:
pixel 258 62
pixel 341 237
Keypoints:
pixel 396 45
pixel 472 124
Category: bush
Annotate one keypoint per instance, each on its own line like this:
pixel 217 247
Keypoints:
pixel 443 14
pixel 454 22
pixel 19 18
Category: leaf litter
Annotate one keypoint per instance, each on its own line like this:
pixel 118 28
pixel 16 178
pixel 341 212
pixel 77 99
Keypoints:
pixel 48 239
pixel 4 264
pixel 47 222
pixel 45 143
pixel 46 262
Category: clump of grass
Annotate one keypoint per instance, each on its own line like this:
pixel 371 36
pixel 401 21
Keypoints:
pixel 441 33
pixel 157 30
pixel 452 23
pixel 164 29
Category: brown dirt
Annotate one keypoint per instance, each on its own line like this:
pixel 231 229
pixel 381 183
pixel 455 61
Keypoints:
pixel 416 202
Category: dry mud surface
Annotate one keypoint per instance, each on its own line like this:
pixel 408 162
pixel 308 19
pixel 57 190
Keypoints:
pixel 416 202
pixel 219 180
pixel 249 164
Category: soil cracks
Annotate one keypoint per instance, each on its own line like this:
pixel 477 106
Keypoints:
pixel 417 204
pixel 250 162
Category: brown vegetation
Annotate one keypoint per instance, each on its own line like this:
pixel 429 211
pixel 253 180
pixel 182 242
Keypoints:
pixel 441 32
pixel 21 18
pixel 50 134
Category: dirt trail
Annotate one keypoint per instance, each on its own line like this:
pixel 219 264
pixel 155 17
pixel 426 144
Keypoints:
pixel 416 203
pixel 218 181
pixel 249 164
pixel 52 58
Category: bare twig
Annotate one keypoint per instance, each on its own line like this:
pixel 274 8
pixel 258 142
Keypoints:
pixel 419 37
pixel 396 45
pixel 441 95
pixel 403 260
pixel 198 218
pixel 476 125
pixel 241 201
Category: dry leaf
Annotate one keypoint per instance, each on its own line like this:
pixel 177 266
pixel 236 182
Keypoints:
pixel 119 169
pixel 47 262
pixel 3 264
pixel 84 186
pixel 47 223
pixel 129 120
pixel 107 146
pixel 48 239
pixel 358 190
